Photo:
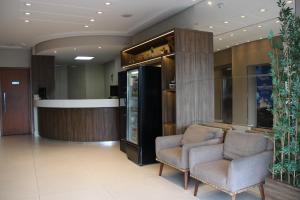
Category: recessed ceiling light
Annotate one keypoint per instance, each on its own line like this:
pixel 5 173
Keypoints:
pixel 259 26
pixel 26 21
pixel 27 13
pixel 92 20
pixel 226 22
pixel 55 52
pixel 220 39
pixel 75 49
pixel 227 46
pixel 231 35
pixel 245 30
pixel 277 21
pixel 99 47
pixel 209 3
pixel 84 58
pixel 243 16
pixel 248 40
pixel 99 12
pixel 86 26
pixel 108 3
pixel 263 10
pixel 211 27
pixel 27 4
pixel 289 2
pixel 261 38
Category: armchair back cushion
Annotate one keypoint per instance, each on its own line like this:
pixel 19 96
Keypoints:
pixel 238 145
pixel 197 133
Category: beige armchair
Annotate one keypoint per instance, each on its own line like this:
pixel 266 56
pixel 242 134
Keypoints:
pixel 174 150
pixel 233 167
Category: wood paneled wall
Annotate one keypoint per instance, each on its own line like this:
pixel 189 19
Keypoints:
pixel 252 53
pixel 79 124
pixel 194 78
pixel 42 74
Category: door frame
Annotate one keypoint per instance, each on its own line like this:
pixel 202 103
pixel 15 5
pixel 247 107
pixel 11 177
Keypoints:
pixel 30 114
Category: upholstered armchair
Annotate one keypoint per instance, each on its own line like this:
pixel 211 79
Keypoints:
pixel 233 167
pixel 174 150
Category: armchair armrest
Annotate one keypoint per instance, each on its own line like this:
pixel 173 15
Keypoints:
pixel 204 154
pixel 187 147
pixel 248 171
pixel 166 142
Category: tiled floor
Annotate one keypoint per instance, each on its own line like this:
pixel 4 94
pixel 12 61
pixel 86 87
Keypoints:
pixel 40 169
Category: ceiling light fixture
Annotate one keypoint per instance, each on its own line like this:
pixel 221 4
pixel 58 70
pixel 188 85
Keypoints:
pixel 231 35
pixel 245 30
pixel 55 52
pixel 289 2
pixel 209 3
pixel 107 3
pixel 99 47
pixel 277 21
pixel 226 22
pixel 27 13
pixel 27 4
pixel 99 12
pixel 261 38
pixel 259 26
pixel 84 58
pixel 220 39
pixel 263 10
pixel 86 26
pixel 92 20
pixel 243 16
pixel 26 21
pixel 75 49
pixel 211 27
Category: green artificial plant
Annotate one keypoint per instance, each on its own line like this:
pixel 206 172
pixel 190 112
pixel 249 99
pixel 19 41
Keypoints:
pixel 285 56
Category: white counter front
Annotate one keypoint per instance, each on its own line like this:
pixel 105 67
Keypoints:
pixel 77 103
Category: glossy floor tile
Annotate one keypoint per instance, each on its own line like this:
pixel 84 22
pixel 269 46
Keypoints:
pixel 41 169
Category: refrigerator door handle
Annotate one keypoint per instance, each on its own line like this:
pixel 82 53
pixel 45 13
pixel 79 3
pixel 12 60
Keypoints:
pixel 4 105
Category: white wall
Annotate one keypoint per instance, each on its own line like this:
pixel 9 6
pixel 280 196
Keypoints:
pixel 111 74
pixel 15 57
pixel 95 81
pixel 61 82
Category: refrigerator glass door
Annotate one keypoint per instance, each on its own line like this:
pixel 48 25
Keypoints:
pixel 132 105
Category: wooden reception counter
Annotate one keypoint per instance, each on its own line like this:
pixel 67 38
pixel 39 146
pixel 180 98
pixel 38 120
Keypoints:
pixel 77 120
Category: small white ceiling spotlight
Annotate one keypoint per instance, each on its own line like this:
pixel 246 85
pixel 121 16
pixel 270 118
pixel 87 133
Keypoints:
pixel 107 3
pixel 211 27
pixel 243 16
pixel 28 4
pixel 85 26
pixel 209 3
pixel 262 10
pixel 99 12
pixel 244 30
pixel 226 22
pixel 99 47
pixel 92 20
pixel 26 21
pixel 259 26
pixel 27 13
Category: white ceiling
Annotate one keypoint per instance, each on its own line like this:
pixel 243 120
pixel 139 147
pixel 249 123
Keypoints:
pixel 51 19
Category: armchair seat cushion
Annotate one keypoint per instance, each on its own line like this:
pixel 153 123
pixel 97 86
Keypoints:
pixel 171 156
pixel 214 172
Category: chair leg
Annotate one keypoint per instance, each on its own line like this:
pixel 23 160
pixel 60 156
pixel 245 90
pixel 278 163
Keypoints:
pixel 196 187
pixel 233 197
pixel 161 167
pixel 186 180
pixel 262 192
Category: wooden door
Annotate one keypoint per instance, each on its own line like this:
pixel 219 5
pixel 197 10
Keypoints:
pixel 15 101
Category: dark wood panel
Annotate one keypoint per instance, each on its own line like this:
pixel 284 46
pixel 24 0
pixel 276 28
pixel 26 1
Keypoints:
pixel 42 74
pixel 79 124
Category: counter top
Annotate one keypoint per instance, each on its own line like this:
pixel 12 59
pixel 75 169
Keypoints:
pixel 77 103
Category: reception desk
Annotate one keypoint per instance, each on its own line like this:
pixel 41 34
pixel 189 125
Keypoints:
pixel 77 120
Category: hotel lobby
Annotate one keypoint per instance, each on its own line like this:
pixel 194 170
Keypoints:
pixel 169 99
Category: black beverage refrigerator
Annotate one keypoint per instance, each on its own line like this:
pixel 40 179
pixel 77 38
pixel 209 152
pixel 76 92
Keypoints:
pixel 144 116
